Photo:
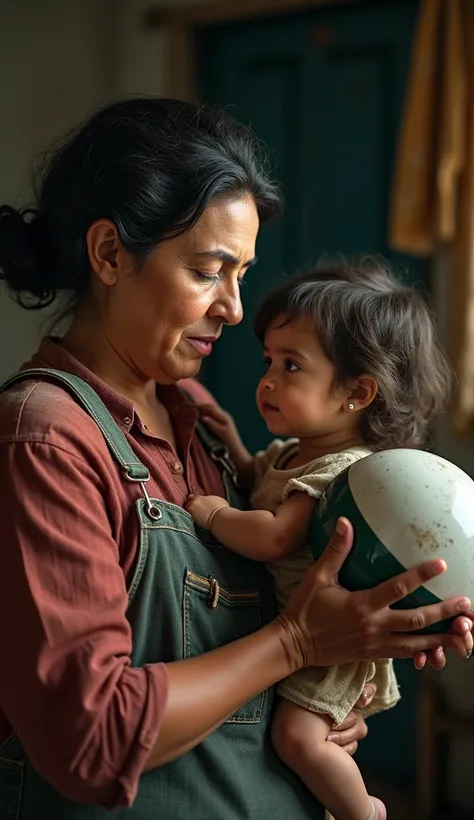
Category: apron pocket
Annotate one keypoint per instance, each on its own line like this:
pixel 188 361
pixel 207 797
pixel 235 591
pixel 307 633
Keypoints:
pixel 215 615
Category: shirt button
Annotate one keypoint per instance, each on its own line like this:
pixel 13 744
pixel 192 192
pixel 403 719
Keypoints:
pixel 177 468
pixel 127 420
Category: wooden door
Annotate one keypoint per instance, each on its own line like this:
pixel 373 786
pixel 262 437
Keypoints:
pixel 324 90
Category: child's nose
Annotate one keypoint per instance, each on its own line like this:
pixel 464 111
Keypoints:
pixel 268 382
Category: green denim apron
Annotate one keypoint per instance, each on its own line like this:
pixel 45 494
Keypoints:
pixel 188 594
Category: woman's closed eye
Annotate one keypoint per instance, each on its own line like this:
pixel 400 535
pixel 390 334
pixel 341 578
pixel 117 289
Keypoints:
pixel 215 278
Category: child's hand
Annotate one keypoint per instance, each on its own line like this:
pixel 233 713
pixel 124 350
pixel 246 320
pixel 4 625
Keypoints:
pixel 223 425
pixel 204 507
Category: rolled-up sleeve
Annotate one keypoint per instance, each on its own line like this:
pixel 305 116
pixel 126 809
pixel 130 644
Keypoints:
pixel 86 718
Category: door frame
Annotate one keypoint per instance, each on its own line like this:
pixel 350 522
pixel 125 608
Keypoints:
pixel 180 26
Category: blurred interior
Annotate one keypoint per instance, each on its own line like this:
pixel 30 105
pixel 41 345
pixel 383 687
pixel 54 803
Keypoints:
pixel 367 109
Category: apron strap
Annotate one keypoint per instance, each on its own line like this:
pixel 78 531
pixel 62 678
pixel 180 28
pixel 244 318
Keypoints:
pixel 118 445
pixel 214 446
pixel 132 469
pixel 217 450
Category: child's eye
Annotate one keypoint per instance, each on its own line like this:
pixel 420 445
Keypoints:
pixel 267 362
pixel 291 366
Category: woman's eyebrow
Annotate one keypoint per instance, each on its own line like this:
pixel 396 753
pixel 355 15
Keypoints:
pixel 225 256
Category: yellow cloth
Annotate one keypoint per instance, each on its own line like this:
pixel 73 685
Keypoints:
pixel 433 187
pixel 462 272
pixel 331 691
pixel 431 150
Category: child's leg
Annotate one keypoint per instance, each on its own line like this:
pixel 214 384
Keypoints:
pixel 299 737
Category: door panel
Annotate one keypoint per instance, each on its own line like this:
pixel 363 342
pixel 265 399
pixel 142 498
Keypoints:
pixel 324 91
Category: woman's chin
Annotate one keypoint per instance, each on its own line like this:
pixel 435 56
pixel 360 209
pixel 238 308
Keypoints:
pixel 188 369
pixel 175 369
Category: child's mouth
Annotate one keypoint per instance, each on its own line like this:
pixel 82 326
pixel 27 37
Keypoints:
pixel 267 407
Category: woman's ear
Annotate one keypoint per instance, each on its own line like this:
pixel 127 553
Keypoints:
pixel 362 392
pixel 107 256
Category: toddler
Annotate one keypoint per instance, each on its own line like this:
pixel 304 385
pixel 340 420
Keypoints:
pixel 353 366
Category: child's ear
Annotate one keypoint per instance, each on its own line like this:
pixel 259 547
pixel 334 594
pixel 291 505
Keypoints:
pixel 362 392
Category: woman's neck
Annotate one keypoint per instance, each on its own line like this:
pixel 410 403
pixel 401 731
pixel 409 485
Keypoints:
pixel 87 342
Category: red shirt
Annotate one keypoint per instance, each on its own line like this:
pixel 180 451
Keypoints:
pixel 69 535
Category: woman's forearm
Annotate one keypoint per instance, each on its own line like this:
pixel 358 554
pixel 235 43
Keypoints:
pixel 204 691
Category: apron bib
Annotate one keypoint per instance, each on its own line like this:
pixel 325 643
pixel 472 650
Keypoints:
pixel 188 594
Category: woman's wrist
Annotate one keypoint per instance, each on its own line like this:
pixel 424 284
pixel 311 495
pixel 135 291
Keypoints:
pixel 239 671
pixel 292 658
pixel 292 642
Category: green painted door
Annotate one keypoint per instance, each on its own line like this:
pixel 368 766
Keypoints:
pixel 324 90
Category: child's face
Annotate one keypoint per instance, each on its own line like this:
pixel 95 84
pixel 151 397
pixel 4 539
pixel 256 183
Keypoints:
pixel 299 396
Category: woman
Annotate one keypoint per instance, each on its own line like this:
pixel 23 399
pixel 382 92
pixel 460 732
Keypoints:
pixel 149 216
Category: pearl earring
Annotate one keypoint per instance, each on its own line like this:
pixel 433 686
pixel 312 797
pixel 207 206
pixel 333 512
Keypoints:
pixel 351 406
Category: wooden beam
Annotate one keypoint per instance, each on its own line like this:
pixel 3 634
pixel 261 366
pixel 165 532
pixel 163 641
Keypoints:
pixel 181 23
pixel 213 13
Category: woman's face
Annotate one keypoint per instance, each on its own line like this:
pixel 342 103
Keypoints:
pixel 162 319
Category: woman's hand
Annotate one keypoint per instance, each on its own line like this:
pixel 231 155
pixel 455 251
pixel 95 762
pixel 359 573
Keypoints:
pixel 354 728
pixel 327 625
pixel 436 658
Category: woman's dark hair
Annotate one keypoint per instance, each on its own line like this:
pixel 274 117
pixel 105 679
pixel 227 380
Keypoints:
pixel 151 166
pixel 368 322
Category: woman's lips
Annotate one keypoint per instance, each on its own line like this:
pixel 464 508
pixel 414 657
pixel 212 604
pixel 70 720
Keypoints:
pixel 203 344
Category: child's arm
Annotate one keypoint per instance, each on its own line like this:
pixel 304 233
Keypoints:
pixel 223 425
pixel 257 534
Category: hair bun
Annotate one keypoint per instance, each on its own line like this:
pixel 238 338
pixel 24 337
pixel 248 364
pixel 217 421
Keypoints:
pixel 20 255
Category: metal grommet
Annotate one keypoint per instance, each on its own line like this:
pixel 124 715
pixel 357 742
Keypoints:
pixel 152 509
pixel 154 512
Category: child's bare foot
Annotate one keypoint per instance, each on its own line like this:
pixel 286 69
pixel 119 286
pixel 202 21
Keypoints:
pixel 380 810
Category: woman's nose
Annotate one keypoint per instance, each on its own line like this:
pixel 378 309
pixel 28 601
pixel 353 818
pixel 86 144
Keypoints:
pixel 228 306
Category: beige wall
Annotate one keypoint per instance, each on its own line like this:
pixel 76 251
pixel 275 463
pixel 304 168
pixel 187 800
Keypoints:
pixel 62 58
pixel 55 57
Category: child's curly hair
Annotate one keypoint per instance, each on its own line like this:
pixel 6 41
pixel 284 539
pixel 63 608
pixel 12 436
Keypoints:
pixel 368 322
